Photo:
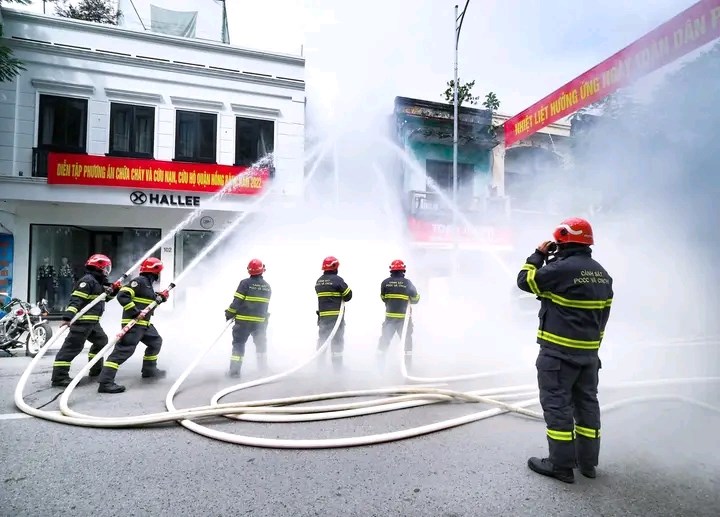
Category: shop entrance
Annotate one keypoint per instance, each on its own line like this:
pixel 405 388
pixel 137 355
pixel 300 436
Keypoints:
pixel 188 245
pixel 58 255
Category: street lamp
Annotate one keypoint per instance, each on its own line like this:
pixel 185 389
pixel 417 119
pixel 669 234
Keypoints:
pixel 458 26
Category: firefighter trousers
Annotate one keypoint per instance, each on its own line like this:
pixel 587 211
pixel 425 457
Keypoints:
pixel 568 396
pixel 125 348
pixel 241 332
pixel 74 342
pixel 337 345
pixel 392 326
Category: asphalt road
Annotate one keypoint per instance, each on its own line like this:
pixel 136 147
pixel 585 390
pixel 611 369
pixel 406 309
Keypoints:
pixel 658 458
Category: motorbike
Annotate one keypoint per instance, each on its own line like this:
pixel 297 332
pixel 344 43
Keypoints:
pixel 22 326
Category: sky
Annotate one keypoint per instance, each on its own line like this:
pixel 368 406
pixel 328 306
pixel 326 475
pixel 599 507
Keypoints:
pixel 371 51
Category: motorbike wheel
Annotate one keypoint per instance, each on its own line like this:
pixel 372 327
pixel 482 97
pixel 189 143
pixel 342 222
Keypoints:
pixel 43 333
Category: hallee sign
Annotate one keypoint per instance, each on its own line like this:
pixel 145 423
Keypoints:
pixel 141 198
pixel 136 173
pixel 687 31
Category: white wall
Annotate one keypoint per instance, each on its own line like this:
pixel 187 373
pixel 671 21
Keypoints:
pixel 168 85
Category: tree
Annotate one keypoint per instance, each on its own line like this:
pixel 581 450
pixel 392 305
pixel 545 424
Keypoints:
pixel 464 92
pixel 491 102
pixel 9 65
pixel 98 11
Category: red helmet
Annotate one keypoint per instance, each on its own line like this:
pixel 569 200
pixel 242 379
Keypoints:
pixel 397 265
pixel 575 230
pixel 256 267
pixel 151 265
pixel 330 264
pixel 100 262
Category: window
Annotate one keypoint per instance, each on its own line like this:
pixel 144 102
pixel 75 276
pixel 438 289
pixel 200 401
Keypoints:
pixel 440 175
pixel 132 130
pixel 195 137
pixel 58 255
pixel 62 125
pixel 253 140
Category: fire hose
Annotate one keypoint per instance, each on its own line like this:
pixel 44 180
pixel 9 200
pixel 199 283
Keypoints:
pixel 281 410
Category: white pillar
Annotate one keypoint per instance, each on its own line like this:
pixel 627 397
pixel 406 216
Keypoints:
pixel 498 169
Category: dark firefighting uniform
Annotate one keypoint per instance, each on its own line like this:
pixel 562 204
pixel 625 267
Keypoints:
pixel 135 297
pixel 576 294
pixel 396 291
pixel 250 310
pixel 86 328
pixel 331 291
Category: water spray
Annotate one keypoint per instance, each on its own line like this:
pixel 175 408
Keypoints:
pixel 283 410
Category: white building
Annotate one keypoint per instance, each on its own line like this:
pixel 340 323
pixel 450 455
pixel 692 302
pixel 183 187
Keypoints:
pixel 144 114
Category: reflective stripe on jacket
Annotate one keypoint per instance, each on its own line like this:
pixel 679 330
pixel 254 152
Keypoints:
pixel 84 291
pixel 331 290
pixel 575 294
pixel 397 291
pixel 251 300
pixel 135 297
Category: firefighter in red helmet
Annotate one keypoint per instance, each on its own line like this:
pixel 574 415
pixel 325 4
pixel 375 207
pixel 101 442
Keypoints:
pixel 331 290
pixel 396 291
pixel 575 293
pixel 249 309
pixel 135 297
pixel 92 284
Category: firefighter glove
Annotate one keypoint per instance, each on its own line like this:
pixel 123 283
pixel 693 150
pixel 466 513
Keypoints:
pixel 229 316
pixel 161 297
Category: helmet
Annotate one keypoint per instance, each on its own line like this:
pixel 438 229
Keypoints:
pixel 100 262
pixel 397 265
pixel 575 230
pixel 330 264
pixel 151 265
pixel 256 267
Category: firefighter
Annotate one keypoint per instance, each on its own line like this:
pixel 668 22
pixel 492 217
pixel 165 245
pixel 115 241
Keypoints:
pixel 396 291
pixel 331 290
pixel 87 327
pixel 575 293
pixel 249 308
pixel 135 297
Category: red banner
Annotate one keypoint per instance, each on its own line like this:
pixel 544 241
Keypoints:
pixel 137 173
pixel 687 31
pixel 422 231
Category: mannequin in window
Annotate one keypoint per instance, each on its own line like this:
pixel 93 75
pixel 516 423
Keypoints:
pixel 65 281
pixel 46 281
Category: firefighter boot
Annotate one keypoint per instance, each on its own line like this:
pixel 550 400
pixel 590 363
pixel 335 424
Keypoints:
pixel 588 472
pixel 96 368
pixel 151 371
pixel 337 361
pixel 262 361
pixel 235 366
pixel 106 381
pixel 544 467
pixel 61 376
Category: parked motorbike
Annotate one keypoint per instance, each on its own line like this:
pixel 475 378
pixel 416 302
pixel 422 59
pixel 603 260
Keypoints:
pixel 22 326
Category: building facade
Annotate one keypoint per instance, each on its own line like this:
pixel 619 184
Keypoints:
pixel 111 137
pixel 498 198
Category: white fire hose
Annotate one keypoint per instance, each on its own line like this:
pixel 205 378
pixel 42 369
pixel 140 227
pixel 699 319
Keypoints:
pixel 281 410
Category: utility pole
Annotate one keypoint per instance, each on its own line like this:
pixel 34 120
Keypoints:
pixel 458 27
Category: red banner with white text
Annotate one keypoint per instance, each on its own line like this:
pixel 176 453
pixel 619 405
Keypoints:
pixel 138 173
pixel 689 30
pixel 431 232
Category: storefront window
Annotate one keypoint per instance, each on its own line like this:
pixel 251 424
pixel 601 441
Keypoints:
pixel 58 255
